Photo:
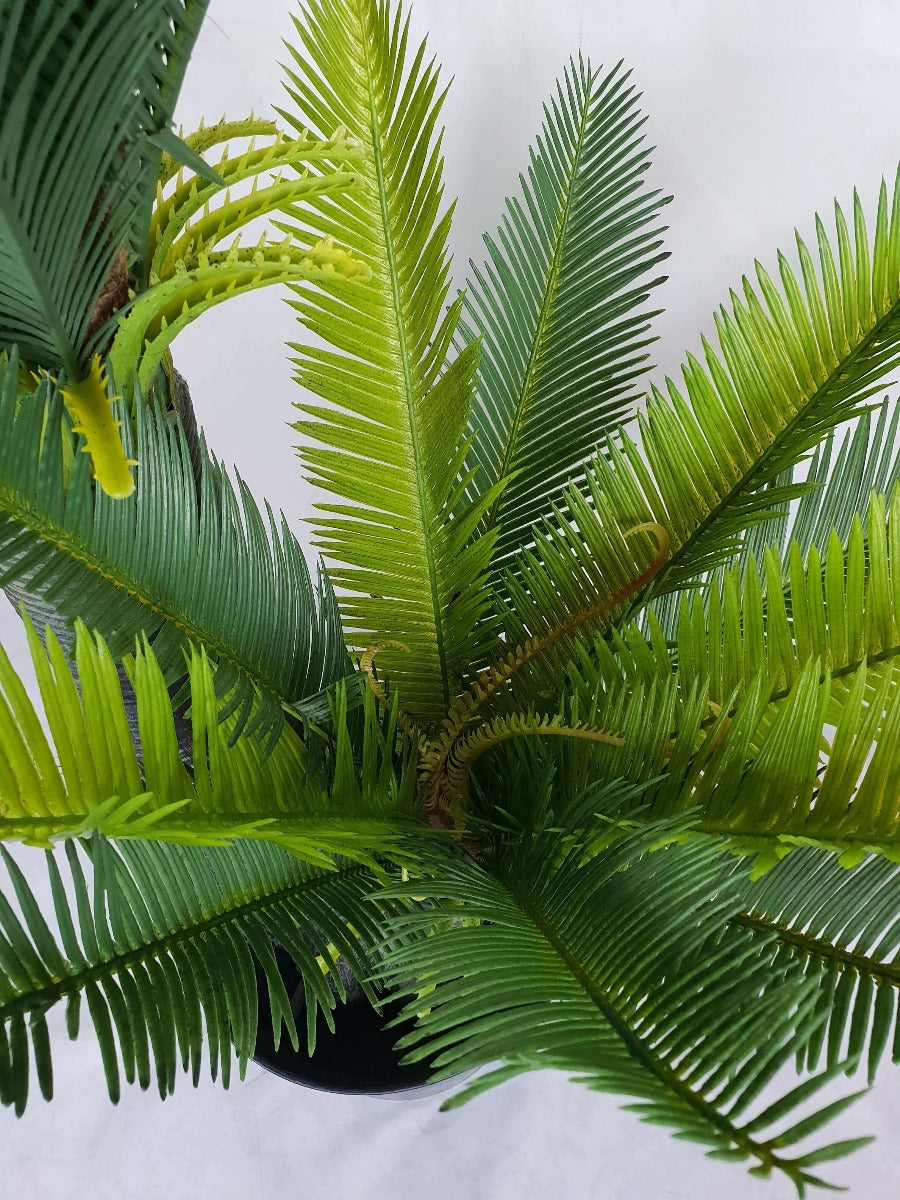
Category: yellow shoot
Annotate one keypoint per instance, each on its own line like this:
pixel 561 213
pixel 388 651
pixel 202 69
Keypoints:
pixel 92 410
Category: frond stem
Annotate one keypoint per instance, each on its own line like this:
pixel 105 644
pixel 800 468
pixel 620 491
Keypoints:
pixel 839 956
pixel 377 688
pixel 436 756
pixel 469 749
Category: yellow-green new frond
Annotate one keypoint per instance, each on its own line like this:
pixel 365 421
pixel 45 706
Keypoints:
pixel 793 363
pixel 160 313
pixel 197 215
pixel 206 136
pixel 90 774
pixel 92 407
pixel 390 438
pixel 186 271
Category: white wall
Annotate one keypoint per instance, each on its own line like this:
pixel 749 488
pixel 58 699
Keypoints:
pixel 762 111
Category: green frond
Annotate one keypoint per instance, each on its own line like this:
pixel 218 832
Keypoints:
pixel 845 475
pixel 207 570
pixel 64 230
pixel 843 927
pixel 392 431
pixel 576 580
pixel 735 726
pixel 538 958
pixel 842 475
pixel 93 773
pixel 165 950
pixel 791 367
pixel 560 301
pixel 841 607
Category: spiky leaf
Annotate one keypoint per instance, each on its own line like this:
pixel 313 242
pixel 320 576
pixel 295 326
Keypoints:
pixel 559 302
pixel 391 434
pixel 164 951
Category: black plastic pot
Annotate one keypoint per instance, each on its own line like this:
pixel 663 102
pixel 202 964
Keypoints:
pixel 357 1059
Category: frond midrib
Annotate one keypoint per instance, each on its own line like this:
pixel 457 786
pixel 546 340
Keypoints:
pixel 289 824
pixel 403 351
pixel 812 946
pixel 37 998
pixel 745 483
pixel 879 656
pixel 547 301
pixel 38 525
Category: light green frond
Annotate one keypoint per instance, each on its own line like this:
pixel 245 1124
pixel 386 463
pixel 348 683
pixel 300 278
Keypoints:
pixel 841 607
pixel 538 958
pixel 391 433
pixel 763 775
pixel 560 301
pixel 843 926
pixel 86 86
pixel 164 950
pixel 207 570
pixel 736 725
pixel 92 774
pixel 844 472
pixel 791 366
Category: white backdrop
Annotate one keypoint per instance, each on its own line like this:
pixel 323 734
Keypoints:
pixel 762 111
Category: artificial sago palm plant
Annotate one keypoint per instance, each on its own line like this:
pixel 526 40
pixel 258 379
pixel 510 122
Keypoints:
pixel 584 741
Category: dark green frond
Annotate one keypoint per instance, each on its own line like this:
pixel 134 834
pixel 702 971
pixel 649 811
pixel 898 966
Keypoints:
pixel 164 950
pixel 391 433
pixel 208 571
pixel 843 926
pixel 538 958
pixel 82 89
pixel 560 301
